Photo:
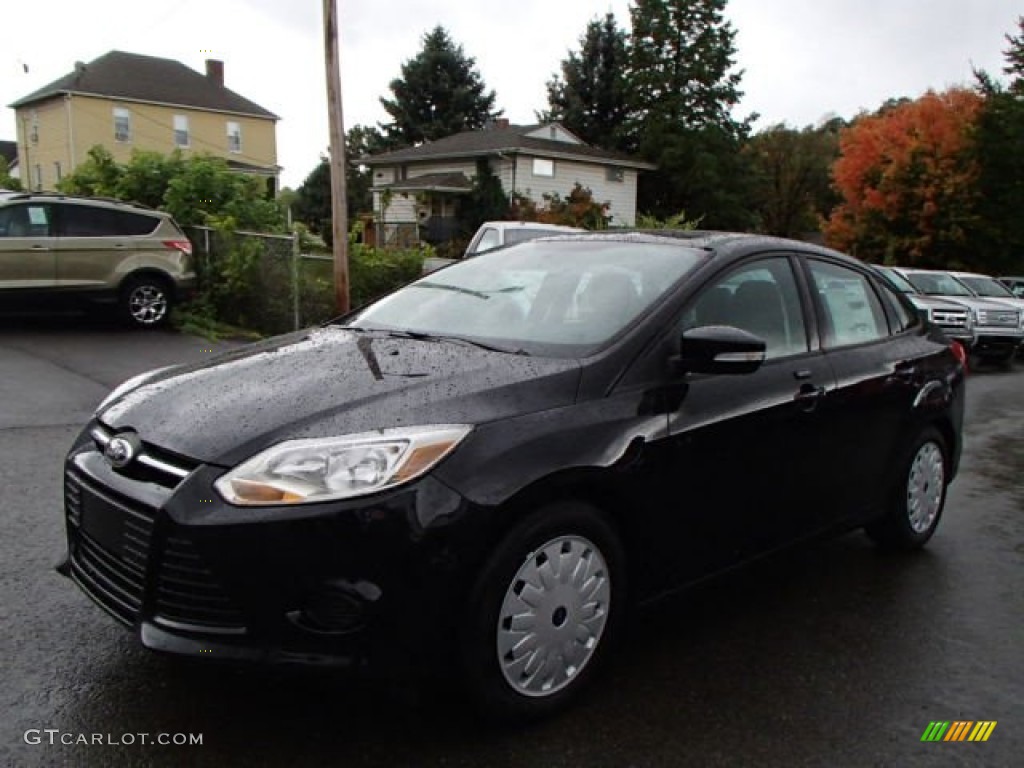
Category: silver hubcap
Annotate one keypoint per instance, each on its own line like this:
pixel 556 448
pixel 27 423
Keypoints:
pixel 147 304
pixel 553 615
pixel 925 487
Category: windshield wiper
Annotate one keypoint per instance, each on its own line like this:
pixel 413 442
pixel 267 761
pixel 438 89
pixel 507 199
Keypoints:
pixel 422 336
pixel 455 288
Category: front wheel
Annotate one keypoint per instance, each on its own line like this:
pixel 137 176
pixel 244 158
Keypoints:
pixel 916 504
pixel 544 612
pixel 145 301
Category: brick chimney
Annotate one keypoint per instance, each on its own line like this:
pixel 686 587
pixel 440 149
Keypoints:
pixel 215 71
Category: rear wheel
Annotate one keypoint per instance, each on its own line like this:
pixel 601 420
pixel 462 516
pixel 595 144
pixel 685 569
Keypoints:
pixel 145 301
pixel 916 504
pixel 544 612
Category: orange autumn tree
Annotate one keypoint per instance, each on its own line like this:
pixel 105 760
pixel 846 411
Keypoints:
pixel 908 182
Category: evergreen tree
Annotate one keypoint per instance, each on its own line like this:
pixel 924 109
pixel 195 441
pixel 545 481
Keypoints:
pixel 999 148
pixel 682 92
pixel 313 198
pixel 439 93
pixel 589 96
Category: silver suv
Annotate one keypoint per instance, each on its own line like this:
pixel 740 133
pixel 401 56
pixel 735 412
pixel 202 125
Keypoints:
pixel 107 252
pixel 999 326
pixel 956 320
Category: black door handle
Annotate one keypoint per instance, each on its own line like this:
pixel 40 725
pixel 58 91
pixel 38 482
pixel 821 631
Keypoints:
pixel 809 395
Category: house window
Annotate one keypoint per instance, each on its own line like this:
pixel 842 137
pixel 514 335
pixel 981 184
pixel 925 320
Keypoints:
pixel 122 124
pixel 543 167
pixel 234 137
pixel 181 130
pixel 56 170
pixel 39 176
pixel 34 132
pixel 614 174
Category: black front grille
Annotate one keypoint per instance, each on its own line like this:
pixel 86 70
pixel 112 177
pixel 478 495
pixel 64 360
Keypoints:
pixel 188 592
pixel 110 542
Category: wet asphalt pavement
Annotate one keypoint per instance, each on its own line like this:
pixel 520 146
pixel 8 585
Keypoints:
pixel 832 655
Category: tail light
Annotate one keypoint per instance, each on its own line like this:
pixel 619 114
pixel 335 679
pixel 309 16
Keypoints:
pixel 179 245
pixel 960 354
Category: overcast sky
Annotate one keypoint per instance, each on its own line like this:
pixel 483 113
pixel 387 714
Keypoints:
pixel 803 59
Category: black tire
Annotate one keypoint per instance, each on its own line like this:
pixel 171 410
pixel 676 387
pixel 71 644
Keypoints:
pixel 916 502
pixel 582 535
pixel 145 301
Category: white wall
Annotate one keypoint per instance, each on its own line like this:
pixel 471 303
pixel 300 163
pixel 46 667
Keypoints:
pixel 621 195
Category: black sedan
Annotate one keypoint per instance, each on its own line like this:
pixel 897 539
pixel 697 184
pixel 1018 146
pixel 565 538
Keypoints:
pixel 472 477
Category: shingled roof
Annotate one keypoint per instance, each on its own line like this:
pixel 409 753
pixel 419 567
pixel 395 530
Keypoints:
pixel 511 139
pixel 133 77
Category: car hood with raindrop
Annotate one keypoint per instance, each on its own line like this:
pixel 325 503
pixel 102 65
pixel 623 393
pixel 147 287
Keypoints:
pixel 330 382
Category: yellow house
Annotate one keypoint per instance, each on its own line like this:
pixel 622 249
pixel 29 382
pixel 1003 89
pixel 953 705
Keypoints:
pixel 126 101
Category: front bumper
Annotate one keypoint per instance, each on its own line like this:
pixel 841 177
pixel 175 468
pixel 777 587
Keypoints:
pixel 368 582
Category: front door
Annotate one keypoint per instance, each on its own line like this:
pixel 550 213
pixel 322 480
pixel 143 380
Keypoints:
pixel 747 448
pixel 27 256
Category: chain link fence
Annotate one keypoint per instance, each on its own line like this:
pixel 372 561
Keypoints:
pixel 269 284
pixel 262 281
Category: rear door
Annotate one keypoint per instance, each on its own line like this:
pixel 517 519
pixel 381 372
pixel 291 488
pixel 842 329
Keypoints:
pixel 27 257
pixel 93 243
pixel 878 360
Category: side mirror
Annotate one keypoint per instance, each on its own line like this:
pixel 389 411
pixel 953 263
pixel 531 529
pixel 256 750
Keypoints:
pixel 720 349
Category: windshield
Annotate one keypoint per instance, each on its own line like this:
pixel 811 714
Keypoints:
pixel 557 298
pixel 937 284
pixel 901 283
pixel 986 286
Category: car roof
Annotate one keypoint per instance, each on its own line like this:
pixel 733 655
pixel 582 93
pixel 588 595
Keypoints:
pixel 105 202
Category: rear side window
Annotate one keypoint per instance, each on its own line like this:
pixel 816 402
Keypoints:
pixel 853 312
pixel 86 221
pixel 901 318
pixel 528 233
pixel 25 221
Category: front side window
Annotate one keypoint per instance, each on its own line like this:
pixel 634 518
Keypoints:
pixel 760 298
pixel 488 240
pixel 543 167
pixel 853 312
pixel 181 137
pixel 122 124
pixel 563 299
pixel 234 137
pixel 24 221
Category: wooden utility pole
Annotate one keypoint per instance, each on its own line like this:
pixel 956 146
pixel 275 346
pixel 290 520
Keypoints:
pixel 339 199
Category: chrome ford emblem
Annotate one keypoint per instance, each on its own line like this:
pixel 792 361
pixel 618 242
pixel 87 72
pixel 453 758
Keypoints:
pixel 121 450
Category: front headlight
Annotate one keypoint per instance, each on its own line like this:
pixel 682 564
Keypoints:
pixel 322 469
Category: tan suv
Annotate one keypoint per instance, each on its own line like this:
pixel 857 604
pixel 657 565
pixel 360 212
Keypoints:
pixel 108 252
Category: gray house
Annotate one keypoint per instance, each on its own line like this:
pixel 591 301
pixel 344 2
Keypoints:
pixel 418 189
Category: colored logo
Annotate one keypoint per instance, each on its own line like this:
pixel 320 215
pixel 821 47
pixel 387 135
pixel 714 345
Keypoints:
pixel 958 730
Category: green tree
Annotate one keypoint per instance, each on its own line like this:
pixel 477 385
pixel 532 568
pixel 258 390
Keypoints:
pixel 97 176
pixel 312 205
pixel 440 93
pixel 792 185
pixel 999 152
pixel 200 189
pixel 588 96
pixel 682 90
pixel 485 202
pixel 6 180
